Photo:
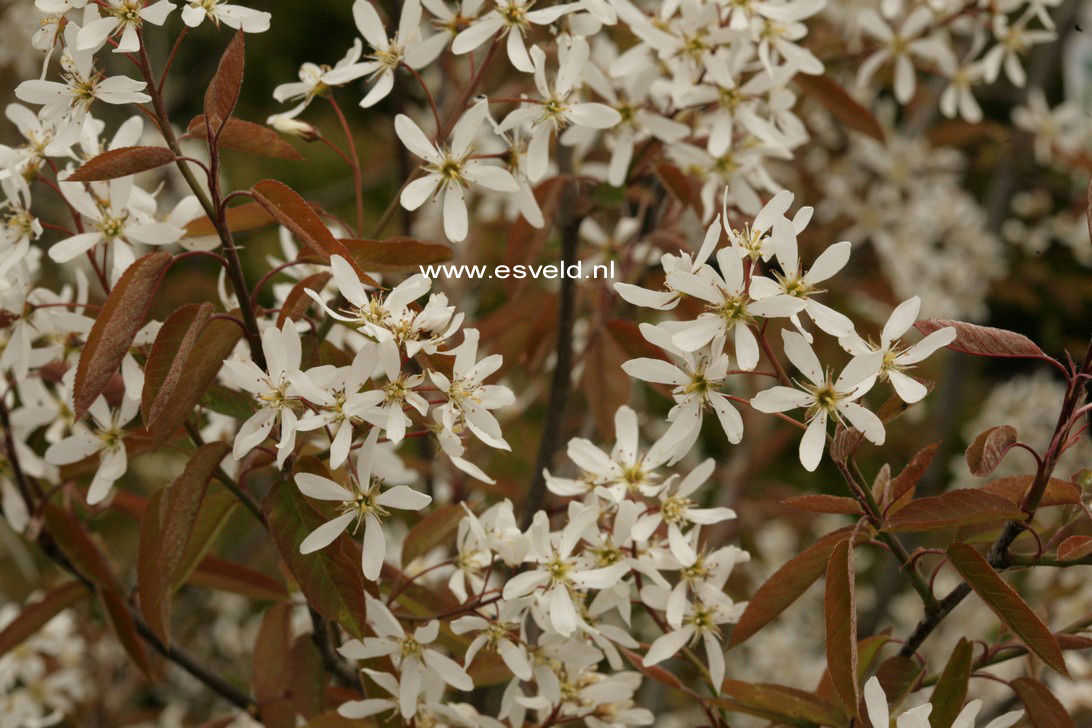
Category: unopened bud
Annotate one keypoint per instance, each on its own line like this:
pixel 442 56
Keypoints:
pixel 294 127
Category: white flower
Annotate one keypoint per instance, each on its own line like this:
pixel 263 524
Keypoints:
pixel 627 470
pixel 275 392
pixel 503 635
pixel 409 653
pixel 1012 41
pixel 315 80
pixel 407 46
pixel 880 715
pixel 106 438
pixel 514 18
pixel 560 573
pixel 900 45
pixel 126 15
pixel 824 398
pixel 896 358
pixel 449 170
pixel 365 501
pixel 700 622
pixel 556 111
pixel 729 307
pixel 247 20
pixel 66 103
pixel 792 282
pixel 678 511
pixel 344 385
pixel 469 399
pixel 119 218
pixel 695 382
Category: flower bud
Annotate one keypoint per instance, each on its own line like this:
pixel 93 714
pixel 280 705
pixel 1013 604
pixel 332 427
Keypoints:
pixel 294 127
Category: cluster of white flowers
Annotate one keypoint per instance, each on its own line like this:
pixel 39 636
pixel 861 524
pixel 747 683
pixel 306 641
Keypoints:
pixel 45 677
pixel 707 89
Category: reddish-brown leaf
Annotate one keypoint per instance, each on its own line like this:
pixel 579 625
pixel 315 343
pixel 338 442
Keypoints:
pixel 677 183
pixel 1015 489
pixel 272 670
pixel 214 344
pixel 292 211
pixel 297 301
pixel 431 531
pixel 902 485
pixel 330 578
pixel 985 340
pixel 843 107
pixel 167 358
pixel 1075 548
pixel 951 689
pixel 1009 607
pixel 655 672
pixel 308 678
pixel 117 323
pixel 898 676
pixel 247 216
pixel 822 503
pixel 83 553
pixel 963 507
pixel 396 254
pixel 779 703
pixel 989 449
pixel 785 586
pixel 38 613
pixel 228 576
pixel 246 136
pixel 604 385
pixel 223 91
pixel 121 162
pixel 165 529
pixel 1044 710
pixel 840 611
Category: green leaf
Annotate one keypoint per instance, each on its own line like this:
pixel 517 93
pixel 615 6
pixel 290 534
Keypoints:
pixel 117 323
pixel 963 507
pixel 165 530
pixel 1044 710
pixel 38 613
pixel 786 586
pixel 230 402
pixel 840 611
pixel 951 689
pixel 331 578
pixel 216 509
pixel 1009 607
pixel 121 162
